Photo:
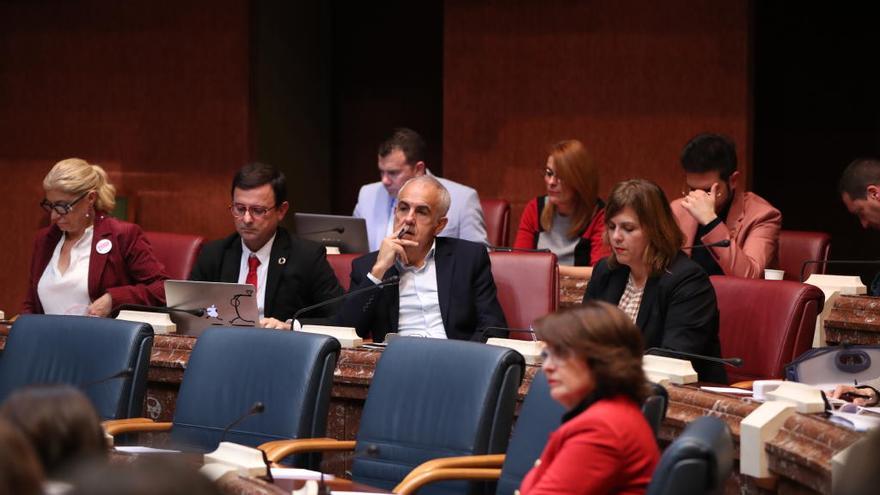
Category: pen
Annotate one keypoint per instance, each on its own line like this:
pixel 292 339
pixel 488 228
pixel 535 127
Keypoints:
pixel 402 231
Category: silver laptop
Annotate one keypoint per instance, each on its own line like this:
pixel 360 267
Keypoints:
pixel 349 234
pixel 223 305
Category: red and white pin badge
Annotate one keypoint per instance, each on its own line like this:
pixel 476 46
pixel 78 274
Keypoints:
pixel 103 246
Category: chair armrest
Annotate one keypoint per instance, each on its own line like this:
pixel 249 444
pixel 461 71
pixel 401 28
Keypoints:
pixel 279 449
pixel 114 427
pixel 466 461
pixel 413 484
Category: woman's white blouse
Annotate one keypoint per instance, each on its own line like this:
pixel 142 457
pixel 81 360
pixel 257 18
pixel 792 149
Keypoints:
pixel 67 293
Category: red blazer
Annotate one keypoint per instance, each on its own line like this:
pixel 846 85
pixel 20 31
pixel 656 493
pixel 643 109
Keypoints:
pixel 752 225
pixel 608 448
pixel 128 272
pixel 592 239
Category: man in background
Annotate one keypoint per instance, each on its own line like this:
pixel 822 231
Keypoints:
pixel 402 157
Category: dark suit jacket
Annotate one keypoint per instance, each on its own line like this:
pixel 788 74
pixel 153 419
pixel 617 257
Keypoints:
pixel 298 275
pixel 128 272
pixel 468 303
pixel 678 310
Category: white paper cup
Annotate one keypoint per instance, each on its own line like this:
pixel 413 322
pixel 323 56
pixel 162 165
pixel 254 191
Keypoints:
pixel 770 274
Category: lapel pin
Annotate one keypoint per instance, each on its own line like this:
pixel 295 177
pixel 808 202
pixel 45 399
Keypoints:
pixel 282 260
pixel 103 246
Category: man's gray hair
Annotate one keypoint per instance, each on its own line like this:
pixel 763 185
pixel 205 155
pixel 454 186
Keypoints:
pixel 444 200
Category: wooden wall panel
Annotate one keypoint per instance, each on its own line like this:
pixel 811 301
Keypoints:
pixel 632 79
pixel 158 92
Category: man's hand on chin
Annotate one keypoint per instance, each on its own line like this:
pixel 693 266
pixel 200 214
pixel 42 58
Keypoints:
pixel 701 205
pixel 273 323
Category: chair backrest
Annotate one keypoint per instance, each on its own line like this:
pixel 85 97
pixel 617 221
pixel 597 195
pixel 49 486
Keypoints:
pixel 434 398
pixel 341 264
pixel 698 462
pixel 539 416
pixel 654 407
pixel 768 323
pixel 230 369
pixel 84 352
pixel 528 287
pixel 797 246
pixel 496 212
pixel 178 252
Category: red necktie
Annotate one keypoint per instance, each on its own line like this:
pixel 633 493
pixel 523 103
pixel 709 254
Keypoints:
pixel 253 263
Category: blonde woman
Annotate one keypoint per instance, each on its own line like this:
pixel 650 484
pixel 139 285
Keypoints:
pixel 86 262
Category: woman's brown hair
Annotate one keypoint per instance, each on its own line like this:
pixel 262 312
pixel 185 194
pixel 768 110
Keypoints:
pixel 655 217
pixel 576 168
pixel 20 470
pixel 606 339
pixel 60 422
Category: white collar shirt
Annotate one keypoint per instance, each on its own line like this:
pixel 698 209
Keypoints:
pixel 264 255
pixel 419 314
pixel 67 293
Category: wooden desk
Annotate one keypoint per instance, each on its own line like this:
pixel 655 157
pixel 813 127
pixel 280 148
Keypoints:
pixel 800 455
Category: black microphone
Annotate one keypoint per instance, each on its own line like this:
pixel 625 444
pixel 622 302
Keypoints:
pixel 721 243
pixel 338 230
pixel 256 408
pixel 497 332
pixel 392 280
pixel 835 262
pixel 199 312
pixel 119 374
pixel 734 362
pixel 505 249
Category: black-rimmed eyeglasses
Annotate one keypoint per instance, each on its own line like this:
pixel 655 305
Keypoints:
pixel 61 207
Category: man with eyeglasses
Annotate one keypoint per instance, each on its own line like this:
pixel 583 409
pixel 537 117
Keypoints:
pixel 289 273
pixel 714 209
pixel 401 157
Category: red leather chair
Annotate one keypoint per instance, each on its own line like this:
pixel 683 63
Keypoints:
pixel 767 323
pixel 797 246
pixel 496 212
pixel 528 287
pixel 178 252
pixel 341 264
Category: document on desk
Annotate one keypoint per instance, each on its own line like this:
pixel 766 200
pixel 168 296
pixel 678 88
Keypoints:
pixel 140 449
pixel 727 390
pixel 299 474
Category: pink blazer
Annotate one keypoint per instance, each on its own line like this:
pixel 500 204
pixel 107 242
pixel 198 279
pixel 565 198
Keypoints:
pixel 128 271
pixel 752 225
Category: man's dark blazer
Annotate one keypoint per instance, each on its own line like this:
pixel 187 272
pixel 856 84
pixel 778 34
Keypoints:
pixel 468 302
pixel 298 275
pixel 678 310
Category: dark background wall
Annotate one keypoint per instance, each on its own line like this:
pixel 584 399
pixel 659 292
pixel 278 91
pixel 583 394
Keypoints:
pixel 817 107
pixel 173 97
pixel 633 80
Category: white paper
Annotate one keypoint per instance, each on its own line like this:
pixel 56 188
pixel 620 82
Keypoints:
pixel 299 474
pixel 860 422
pixel 728 390
pixel 139 449
pixel 337 492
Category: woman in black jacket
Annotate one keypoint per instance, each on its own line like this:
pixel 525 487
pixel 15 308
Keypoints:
pixel 667 295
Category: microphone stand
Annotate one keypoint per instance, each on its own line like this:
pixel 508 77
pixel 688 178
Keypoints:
pixel 393 280
pixel 200 312
pixel 734 362
pixel 722 243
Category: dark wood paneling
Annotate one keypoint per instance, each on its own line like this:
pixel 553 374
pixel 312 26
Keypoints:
pixel 158 92
pixel 634 80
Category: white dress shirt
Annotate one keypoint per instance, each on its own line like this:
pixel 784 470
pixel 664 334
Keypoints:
pixel 67 293
pixel 264 255
pixel 419 314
